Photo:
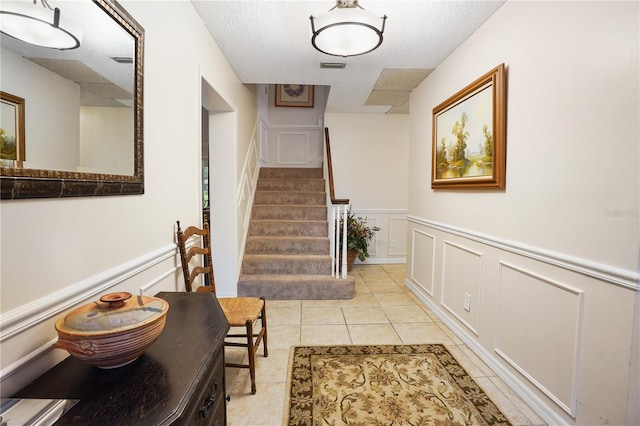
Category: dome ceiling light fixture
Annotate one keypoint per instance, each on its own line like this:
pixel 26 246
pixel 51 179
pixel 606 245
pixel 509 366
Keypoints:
pixel 40 26
pixel 347 29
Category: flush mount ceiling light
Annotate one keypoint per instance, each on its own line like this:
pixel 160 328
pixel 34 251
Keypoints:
pixel 347 29
pixel 40 26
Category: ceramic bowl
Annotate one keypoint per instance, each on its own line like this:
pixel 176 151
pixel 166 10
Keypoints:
pixel 113 331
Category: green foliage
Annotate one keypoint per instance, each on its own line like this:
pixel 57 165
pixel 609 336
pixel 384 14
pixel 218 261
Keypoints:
pixel 8 149
pixel 488 145
pixel 441 157
pixel 358 235
pixel 458 156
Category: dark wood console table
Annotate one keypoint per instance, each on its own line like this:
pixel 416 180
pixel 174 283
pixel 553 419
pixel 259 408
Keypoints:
pixel 178 380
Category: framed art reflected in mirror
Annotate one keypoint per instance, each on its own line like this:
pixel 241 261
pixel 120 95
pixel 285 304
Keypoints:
pixel 11 130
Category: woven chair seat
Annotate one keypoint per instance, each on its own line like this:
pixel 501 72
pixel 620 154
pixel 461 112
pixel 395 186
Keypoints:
pixel 240 309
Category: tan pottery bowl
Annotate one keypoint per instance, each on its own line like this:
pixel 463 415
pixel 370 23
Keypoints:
pixel 113 331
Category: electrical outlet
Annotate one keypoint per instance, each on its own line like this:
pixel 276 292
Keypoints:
pixel 392 243
pixel 467 302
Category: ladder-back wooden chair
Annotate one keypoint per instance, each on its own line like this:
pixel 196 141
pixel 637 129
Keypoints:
pixel 239 311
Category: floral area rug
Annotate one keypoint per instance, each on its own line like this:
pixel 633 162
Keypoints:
pixel 384 385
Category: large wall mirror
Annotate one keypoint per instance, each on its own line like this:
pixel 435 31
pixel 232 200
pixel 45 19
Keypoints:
pixel 71 119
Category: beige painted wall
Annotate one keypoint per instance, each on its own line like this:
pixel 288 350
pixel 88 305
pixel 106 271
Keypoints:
pixel 56 143
pixel 370 153
pixel 551 262
pixel 57 254
pixel 106 135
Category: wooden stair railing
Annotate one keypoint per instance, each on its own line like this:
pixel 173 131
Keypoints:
pixel 334 200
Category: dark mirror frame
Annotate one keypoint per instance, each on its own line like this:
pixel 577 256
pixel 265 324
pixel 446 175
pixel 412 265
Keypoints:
pixel 17 183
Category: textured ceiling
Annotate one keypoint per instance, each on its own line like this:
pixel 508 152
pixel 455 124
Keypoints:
pixel 269 42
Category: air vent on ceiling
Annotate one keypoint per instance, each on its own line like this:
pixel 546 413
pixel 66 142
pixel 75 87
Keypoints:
pixel 333 65
pixel 122 59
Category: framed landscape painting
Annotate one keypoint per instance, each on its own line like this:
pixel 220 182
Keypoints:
pixel 11 130
pixel 294 95
pixel 469 132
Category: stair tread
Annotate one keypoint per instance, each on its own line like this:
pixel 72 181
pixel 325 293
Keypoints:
pixel 287 206
pixel 286 237
pixel 292 205
pixel 315 180
pixel 291 191
pixel 315 221
pixel 288 277
pixel 265 255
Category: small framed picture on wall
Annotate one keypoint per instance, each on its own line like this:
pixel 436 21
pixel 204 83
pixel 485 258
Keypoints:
pixel 294 95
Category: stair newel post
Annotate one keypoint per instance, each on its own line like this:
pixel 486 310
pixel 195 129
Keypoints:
pixel 344 242
pixel 336 238
pixel 333 242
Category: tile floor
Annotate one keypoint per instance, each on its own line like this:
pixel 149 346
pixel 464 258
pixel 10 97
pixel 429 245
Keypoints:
pixel 383 311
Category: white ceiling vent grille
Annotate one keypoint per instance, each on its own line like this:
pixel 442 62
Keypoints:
pixel 333 65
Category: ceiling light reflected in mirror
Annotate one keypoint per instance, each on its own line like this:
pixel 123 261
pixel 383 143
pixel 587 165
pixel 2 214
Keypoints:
pixel 38 24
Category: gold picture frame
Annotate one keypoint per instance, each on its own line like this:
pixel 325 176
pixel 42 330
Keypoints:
pixel 469 136
pixel 12 141
pixel 294 95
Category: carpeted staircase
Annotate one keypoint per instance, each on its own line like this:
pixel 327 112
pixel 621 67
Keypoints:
pixel 287 249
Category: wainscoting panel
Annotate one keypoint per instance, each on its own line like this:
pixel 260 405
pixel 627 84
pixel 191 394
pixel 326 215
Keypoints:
pixel 246 191
pixel 293 148
pixel 538 332
pixel 462 282
pixel 264 131
pixel 397 236
pixel 422 267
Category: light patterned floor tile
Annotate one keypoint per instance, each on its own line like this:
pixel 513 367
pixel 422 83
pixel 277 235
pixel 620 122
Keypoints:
pixel 282 336
pixel 320 303
pixel 283 315
pixel 399 314
pixel 283 303
pixel 385 287
pixel 325 315
pixel 456 340
pixel 361 299
pixel 362 288
pixel 377 334
pixel 422 332
pixel 365 315
pixel 378 278
pixel 393 299
pixel 266 407
pixel 324 335
pixel 272 368
pixel 395 268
